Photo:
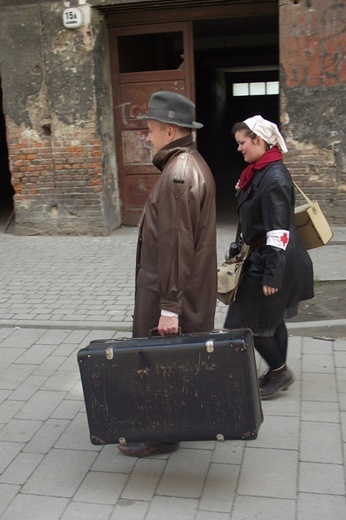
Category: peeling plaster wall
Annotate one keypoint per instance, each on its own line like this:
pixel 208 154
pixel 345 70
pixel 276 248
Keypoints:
pixel 58 104
pixel 313 80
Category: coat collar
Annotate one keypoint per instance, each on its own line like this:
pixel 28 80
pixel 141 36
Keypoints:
pixel 243 195
pixel 177 146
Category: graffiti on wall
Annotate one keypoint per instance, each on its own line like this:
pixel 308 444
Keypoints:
pixel 130 111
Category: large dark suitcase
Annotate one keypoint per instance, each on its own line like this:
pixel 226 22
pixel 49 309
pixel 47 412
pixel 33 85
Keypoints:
pixel 172 388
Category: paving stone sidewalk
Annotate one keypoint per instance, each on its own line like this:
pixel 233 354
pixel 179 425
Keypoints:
pixel 294 470
pixel 57 294
pixel 67 281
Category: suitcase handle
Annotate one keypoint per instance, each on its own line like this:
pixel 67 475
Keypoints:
pixel 155 329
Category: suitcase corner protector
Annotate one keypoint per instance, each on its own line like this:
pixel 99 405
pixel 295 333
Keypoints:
pixel 97 441
pixel 250 436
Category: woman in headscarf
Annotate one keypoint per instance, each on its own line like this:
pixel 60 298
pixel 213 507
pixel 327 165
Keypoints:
pixel 278 273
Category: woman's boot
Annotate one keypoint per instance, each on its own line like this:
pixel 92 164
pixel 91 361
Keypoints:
pixel 276 381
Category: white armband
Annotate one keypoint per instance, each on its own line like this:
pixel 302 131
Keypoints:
pixel 278 238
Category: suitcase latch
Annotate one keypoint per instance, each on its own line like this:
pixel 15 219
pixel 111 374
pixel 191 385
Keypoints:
pixel 210 346
pixel 109 353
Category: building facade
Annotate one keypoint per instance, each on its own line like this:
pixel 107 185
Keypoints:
pixel 75 74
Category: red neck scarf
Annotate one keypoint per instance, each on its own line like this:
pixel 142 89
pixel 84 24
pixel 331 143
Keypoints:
pixel 248 173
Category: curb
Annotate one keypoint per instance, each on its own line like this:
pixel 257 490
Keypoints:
pixel 323 328
pixel 70 325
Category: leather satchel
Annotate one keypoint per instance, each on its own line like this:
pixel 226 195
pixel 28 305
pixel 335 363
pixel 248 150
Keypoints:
pixel 229 275
pixel 311 224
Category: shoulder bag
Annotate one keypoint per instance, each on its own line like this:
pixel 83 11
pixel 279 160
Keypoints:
pixel 229 275
pixel 311 224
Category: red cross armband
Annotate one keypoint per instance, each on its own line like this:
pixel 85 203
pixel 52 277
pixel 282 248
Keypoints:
pixel 278 238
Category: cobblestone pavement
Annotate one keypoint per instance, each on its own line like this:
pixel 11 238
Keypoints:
pixel 73 281
pixel 57 294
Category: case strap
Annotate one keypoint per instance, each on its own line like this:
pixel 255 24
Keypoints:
pixel 309 201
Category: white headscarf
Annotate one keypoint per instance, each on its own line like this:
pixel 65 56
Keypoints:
pixel 267 130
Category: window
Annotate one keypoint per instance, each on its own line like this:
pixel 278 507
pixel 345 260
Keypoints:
pixel 257 88
pixel 143 52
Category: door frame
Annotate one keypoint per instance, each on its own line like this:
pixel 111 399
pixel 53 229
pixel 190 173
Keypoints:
pixel 136 177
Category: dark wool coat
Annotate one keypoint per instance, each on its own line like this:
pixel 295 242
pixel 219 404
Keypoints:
pixel 176 252
pixel 268 204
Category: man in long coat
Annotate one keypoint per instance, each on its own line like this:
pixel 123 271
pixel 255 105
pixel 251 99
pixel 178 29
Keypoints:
pixel 176 266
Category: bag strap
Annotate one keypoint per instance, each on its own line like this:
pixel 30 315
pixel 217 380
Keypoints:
pixel 309 201
pixel 238 232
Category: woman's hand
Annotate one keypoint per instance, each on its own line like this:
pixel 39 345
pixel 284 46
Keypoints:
pixel 268 291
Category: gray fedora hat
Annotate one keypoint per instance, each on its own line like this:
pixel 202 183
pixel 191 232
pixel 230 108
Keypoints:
pixel 171 108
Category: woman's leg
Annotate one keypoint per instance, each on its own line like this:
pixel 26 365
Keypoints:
pixel 281 337
pixel 273 349
pixel 268 348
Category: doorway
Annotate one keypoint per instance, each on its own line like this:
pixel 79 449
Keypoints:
pixel 210 49
pixel 236 77
pixel 147 59
pixel 6 191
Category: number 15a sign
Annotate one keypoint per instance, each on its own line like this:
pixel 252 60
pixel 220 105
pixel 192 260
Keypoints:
pixel 73 18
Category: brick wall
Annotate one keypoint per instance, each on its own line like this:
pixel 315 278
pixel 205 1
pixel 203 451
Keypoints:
pixel 57 180
pixel 313 78
pixel 57 104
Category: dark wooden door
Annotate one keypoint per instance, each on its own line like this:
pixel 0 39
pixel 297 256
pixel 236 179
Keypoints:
pixel 144 59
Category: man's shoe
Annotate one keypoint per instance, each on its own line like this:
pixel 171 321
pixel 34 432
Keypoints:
pixel 276 381
pixel 145 449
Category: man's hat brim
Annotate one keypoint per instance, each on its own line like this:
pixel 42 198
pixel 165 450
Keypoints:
pixel 194 124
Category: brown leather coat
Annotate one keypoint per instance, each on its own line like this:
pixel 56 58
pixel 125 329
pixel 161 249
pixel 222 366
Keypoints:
pixel 176 253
